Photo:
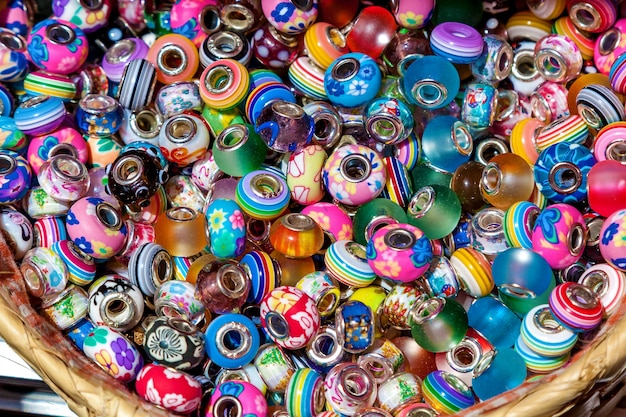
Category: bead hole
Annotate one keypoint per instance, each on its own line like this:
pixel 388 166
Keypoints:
pixel 232 281
pixel 257 229
pixel 355 384
pixel 11 41
pixel 108 216
pixel 232 138
pixel 60 34
pixel 277 325
pixel 336 38
pixel 181 129
pixel 376 368
pixel 546 322
pixel 462 139
pixel 171 59
pixel 490 221
pixel 616 151
pixel 345 69
pixel 304 5
pixel 7 164
pixel 492 178
pixel 325 345
pixel 355 168
pixel 585 18
pixel 91 4
pixel 609 41
pixel 266 186
pixel 219 79
pixel 327 303
pixel 227 406
pixel 210 19
pixel 237 20
pixel 429 93
pixel 298 222
pixel 383 127
pixel 400 239
pixel 552 65
pixel 577 239
pixel 129 170
pixel 232 340
pixel 181 214
pixel 146 122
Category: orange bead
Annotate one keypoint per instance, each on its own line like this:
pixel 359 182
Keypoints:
pixel 296 235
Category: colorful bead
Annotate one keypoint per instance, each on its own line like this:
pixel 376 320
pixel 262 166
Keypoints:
pixel 304 174
pixel 284 126
pixel 149 267
pixel 542 334
pixel 264 95
pixel 489 317
pixel 120 54
pixel 114 353
pixel 486 231
pixel 44 272
pixel 39 115
pixel 371 31
pixel 262 271
pixel 181 231
pixel 344 400
pixel 296 235
pixel 38 204
pixel 138 72
pixel 464 359
pixel 274 367
pixel 177 97
pixel 457 42
pixel 43 83
pixel 526 25
pixel 609 46
pixel 237 397
pixel 446 393
pixel 595 16
pixel 169 388
pixel 522 272
pixel 608 284
pixel 64 178
pixel 352 80
pixel 307 78
pixel 89 18
pixel 539 364
pixel 177 299
pixel 353 322
pixel 576 307
pixel 80 267
pixel 431 82
pixel 48 230
pixel 184 139
pixel 57 46
pixel 434 202
pixel 388 120
pixel 273 48
pixel 175 58
pixel 262 194
pixel 194 19
pixel 17 231
pixel 175 343
pixel 183 193
pixel 612 236
pixel 549 101
pixel 557 58
pixel 10 136
pixel 304 395
pixel 324 43
pixel 227 232
pixel 438 324
pixel 224 84
pixel 473 271
pixel 347 262
pixel 290 17
pixel 507 179
pixel 15 174
pixel 446 143
pixel 231 340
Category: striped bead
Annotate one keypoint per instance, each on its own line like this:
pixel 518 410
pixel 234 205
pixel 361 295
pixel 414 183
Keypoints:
pixel 39 115
pixel 446 393
pixel 598 105
pixel 542 334
pixel 608 283
pixel 473 271
pixel 537 363
pixel 80 267
pixel 43 83
pixel 304 395
pixel 576 306
pixel 307 78
pixel 181 267
pixel 569 129
pixel 408 151
pixel 398 185
pixel 263 274
pixel 617 75
pixel 48 230
pixel 264 94
pixel 347 262
pixel 565 26
pixel 518 222
pixel 136 87
pixel 610 141
pixel 262 194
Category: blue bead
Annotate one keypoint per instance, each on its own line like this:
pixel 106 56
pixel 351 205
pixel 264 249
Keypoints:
pixel 352 80
pixel 498 323
pixel 79 332
pixel 231 341
pixel 522 270
pixel 506 371
pixel 431 82
pixel 447 143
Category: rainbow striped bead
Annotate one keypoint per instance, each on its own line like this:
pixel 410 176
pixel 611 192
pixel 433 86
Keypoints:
pixel 408 151
pixel 181 267
pixel 262 194
pixel 48 230
pixel 80 267
pixel 43 83
pixel 304 395
pixel 576 307
pixel 446 393
pixel 542 334
pixel 264 94
pixel 473 271
pixel 537 363
pixel 518 224
pixel 617 75
pixel 608 282
pixel 262 271
pixel 398 184
pixel 347 262
pixel 569 129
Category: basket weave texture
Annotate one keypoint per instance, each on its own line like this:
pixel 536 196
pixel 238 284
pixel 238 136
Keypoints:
pixel 90 392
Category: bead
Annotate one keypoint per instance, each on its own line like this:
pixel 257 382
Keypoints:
pixel 226 226
pixel 414 16
pixel 526 25
pixel 561 172
pixel 446 143
pixel 16 176
pixel 486 231
pixel 290 317
pixel 11 137
pixel 231 340
pixel 222 286
pixel 79 332
pixel 99 115
pixel 441 278
pixel 348 387
pixel 296 235
pixel 347 262
pixel 431 82
pixel 237 397
pixel 290 17
pixel 438 324
pixel 159 384
pixel 308 78
pixel 609 46
pixel 182 192
pixel 141 125
pixel 605 187
pixel 327 122
pixel 44 83
pixel 322 289
pixel 576 307
pixel 273 48
pixel 595 16
pixel 353 322
pixel 175 58
pixel 446 393
pixel 180 231
pixel 522 273
pixel 558 58
pixel 284 127
pixel 324 43
pixel 371 31
pixel 504 370
pixel 599 106
pixel 612 233
pixel 90 18
pixel 274 367
pixel 149 267
pixel 479 105
pixel 48 230
pixel 404 48
pixel 120 54
pixel 354 174
pixel 264 95
pixel 398 183
pixel 543 335
pixel 81 267
pixel 262 194
pixel 608 284
pixel 178 97
pixel 57 46
pixel 609 142
pixel 507 179
pixel 17 231
pixel 184 139
pixel 334 221
pixel 304 174
pixel 96 227
pixel 175 343
pixel 44 272
pixel 401 389
pixel 224 84
pixel 388 120
pixel 115 302
pixel 549 102
pixel 338 14
pixel 559 235
pixel 466 185
pixel 304 395
pixel 495 321
pixel 39 115
pixel 195 19
pixel 177 299
pixel 464 359
pixel 37 204
pixel 352 80
pixel 114 354
pixel 262 271
pixel 322 357
pixel 64 178
pixel 138 72
pixel 473 271
pixel 434 202
pixel 539 364
pixel 457 42
pixel 14 65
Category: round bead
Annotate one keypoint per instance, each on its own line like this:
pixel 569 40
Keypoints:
pixel 115 302
pixel 609 142
pixel 334 221
pixel 296 235
pixel 284 126
pixel 473 271
pixel 352 80
pixel 174 342
pixel 354 326
pixel 431 82
pixel 576 307
pixel 606 186
pixel 16 176
pixel 308 78
pixel 184 139
pixel 231 340
pixel 175 58
pixel 44 272
pixel 57 46
pixel 447 143
pixel 224 84
pixel 557 58
pixel 599 106
pixel 522 272
pixel 239 150
pixel 274 367
pixel 90 17
pixel 346 261
pixel 438 324
pixel 507 179
pixel 14 65
pixel 274 49
pixel 138 72
pixel 149 267
pixel 344 400
pixel 39 115
pixel 304 174
pixel 609 46
pixel 519 220
pixel 539 364
pixel 446 393
pixel 181 231
pixel 222 286
pixel 612 236
pixel 304 395
pixel 262 194
pixel 237 398
pixel 486 231
pixel 502 371
pixel 48 230
pixel 457 42
pixel 595 16
pixel 608 284
pixel 169 388
pixel 67 308
pixel 99 115
pixel 64 178
pixel 495 321
pixel 43 83
pixel 115 354
pixel 17 231
pixel 324 43
pixel 80 267
pixel 543 334
pixel 434 202
pixel 290 17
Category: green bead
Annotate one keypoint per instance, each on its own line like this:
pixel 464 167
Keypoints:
pixel 422 175
pixel 375 214
pixel 435 209
pixel 219 120
pixel 438 324
pixel 239 150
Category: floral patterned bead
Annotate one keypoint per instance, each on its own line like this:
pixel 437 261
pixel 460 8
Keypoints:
pixel 44 272
pixel 178 97
pixel 64 178
pixel 290 17
pixel 194 19
pixel 175 343
pixel 115 354
pixel 354 174
pixel 613 236
pixel 237 398
pixel 177 299
pixel 275 367
pixel 609 46
pixel 413 15
pixel 290 317
pixel 15 176
pixel 399 252
pixel 558 58
pixel 15 17
pixel 89 19
pixel 333 220
pixel 102 150
pixel 322 289
pixel 57 46
pixel 174 390
pixel 10 136
pixel 96 227
pixel 560 235
pixel 273 48
pixel 352 80
pixel 344 400
pixel 63 140
pixel 14 62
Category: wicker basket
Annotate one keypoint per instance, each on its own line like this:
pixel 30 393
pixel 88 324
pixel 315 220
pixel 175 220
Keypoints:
pixel 89 391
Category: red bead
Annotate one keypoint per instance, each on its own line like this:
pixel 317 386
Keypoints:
pixel 372 31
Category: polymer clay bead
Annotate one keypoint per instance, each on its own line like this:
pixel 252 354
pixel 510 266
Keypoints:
pixel 561 172
pixel 354 174
pixel 44 83
pixel 344 400
pixel 274 49
pixel 184 139
pixel 17 231
pixel 431 82
pixel 400 252
pixel 542 333
pixel 608 284
pixel 226 228
pixel 559 235
pixel 174 342
pixel 599 106
pixel 48 230
pixel 44 272
pixel 333 220
pixel 262 194
pixel 474 271
pixel 307 78
pixel 81 267
pixel 157 384
pixel 290 17
pixel 595 16
pixel 63 140
pixel 89 17
pixel 346 261
pixel 609 46
pixel 14 65
pixel 611 234
pixel 231 340
pixel 446 393
pixel 304 174
pixel 64 178
pixel 177 299
pixel 114 354
pixel 149 267
pixel 438 324
pixel 352 80
pixel 432 202
pixel 290 317
pixel 136 86
pixel 507 179
pixel 539 364
pixel 120 54
pixel 57 46
pixel 224 84
pixel 237 397
pixel 457 42
pixel 39 115
pixel 304 394
pixel 610 142
pixel 576 307
pixel 16 176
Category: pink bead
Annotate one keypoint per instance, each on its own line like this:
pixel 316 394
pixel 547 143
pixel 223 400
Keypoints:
pixel 333 220
pixel 237 398
pixel 193 19
pixel 606 184
pixel 290 17
pixel 64 139
pixel 412 14
pixel 613 239
pixel 57 46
